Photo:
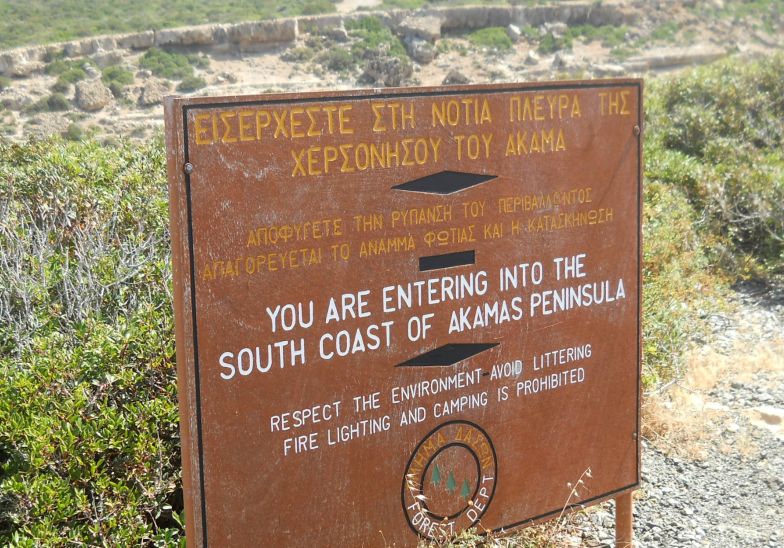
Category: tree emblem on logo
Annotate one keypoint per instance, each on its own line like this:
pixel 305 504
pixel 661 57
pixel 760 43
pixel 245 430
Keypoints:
pixel 450 480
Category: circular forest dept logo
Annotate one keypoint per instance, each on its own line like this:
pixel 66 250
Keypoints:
pixel 450 480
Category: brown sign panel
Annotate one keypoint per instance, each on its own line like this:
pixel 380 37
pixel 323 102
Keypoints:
pixel 401 313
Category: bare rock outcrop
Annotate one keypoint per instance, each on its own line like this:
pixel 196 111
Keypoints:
pixel 386 70
pixel 153 91
pixel 92 95
pixel 424 27
pixel 454 77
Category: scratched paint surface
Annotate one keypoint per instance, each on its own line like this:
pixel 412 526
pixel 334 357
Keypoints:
pixel 401 314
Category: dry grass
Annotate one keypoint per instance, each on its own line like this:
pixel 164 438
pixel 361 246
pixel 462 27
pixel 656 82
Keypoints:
pixel 684 421
pixel 559 532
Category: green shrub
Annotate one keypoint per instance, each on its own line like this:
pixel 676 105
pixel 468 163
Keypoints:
pixel 530 32
pixel 678 287
pixel 550 43
pixel 74 132
pixel 610 36
pixel 117 74
pixel 199 61
pixel 67 71
pixel 337 59
pixel 89 449
pixel 60 86
pixel 166 64
pixel 371 36
pixel 726 122
pixel 52 103
pixel 191 83
pixel 298 55
pixel 665 32
pixel 5 82
pixel 491 37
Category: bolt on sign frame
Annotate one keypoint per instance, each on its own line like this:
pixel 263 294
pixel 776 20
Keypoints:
pixel 402 313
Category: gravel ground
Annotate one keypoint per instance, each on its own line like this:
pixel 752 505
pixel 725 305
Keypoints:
pixel 723 483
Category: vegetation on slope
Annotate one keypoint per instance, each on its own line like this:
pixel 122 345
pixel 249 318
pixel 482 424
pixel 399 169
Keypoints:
pixel 39 21
pixel 89 447
pixel 714 185
pixel 89 444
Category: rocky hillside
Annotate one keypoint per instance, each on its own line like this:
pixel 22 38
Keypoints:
pixel 112 86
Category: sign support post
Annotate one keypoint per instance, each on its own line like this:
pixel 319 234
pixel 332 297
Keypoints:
pixel 624 531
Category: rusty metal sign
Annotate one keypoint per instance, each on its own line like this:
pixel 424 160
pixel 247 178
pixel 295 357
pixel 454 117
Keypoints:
pixel 403 313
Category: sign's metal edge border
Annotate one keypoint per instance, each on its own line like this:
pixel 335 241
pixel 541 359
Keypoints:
pixel 201 103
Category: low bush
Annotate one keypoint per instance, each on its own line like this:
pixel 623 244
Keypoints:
pixel 67 71
pixel 74 132
pixel 191 83
pixel 494 38
pixel 60 86
pixel 717 133
pixel 551 43
pixel 89 449
pixel 337 59
pixel 370 36
pixel 117 75
pixel 610 36
pixel 166 64
pixel 52 103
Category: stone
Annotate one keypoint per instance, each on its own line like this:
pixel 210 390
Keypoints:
pixel 673 57
pixel 560 61
pixel 200 35
pixel 319 24
pixel 420 50
pixel 532 58
pixel 514 32
pixel 24 70
pixel 557 28
pixel 92 95
pixel 79 48
pixel 474 17
pixel 454 76
pixel 338 34
pixel 137 40
pixel 263 32
pixel 386 70
pixel 15 99
pixel 21 62
pixel 426 27
pixel 91 71
pixel 608 69
pixel 153 92
pixel 107 58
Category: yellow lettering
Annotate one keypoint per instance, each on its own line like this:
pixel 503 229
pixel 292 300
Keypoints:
pixel 377 122
pixel 295 122
pixel 245 124
pixel 225 116
pixel 201 131
pixel 312 131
